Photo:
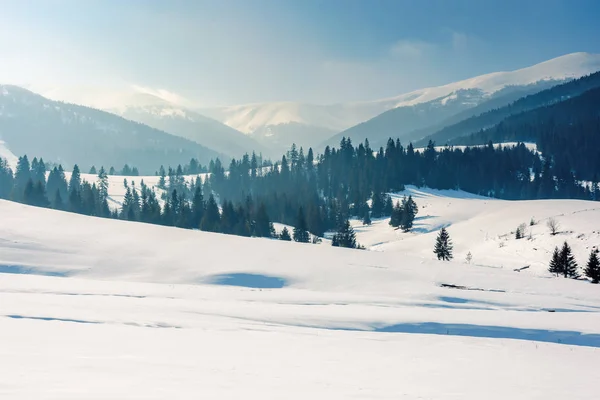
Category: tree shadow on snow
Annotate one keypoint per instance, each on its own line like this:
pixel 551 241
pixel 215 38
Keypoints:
pixel 497 332
pixel 255 281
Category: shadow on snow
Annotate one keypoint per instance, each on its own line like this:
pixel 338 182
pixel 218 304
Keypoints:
pixel 255 281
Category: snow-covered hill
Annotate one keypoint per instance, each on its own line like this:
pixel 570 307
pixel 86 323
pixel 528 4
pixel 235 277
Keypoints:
pixel 97 308
pixel 455 97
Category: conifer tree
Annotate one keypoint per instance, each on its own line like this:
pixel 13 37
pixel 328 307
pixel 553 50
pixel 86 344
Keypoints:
pixel 300 229
pixel 212 219
pixel 592 269
pixel 366 217
pixel 75 181
pixel 345 236
pixel 198 206
pixel 285 235
pixel 103 184
pixel 568 263
pixel 409 212
pixel 555 263
pixel 443 246
pixel 262 224
pixel 93 170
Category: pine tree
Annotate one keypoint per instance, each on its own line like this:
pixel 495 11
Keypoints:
pixel 75 181
pixel 198 206
pixel 366 217
pixel 262 224
pixel 285 235
pixel 103 184
pixel 345 236
pixel 568 263
pixel 300 229
pixel 212 219
pixel 443 246
pixel 409 212
pixel 93 170
pixel 592 269
pixel 555 263
pixel 396 217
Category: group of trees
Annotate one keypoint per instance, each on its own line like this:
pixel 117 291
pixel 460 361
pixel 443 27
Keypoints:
pixel 563 263
pixel 404 213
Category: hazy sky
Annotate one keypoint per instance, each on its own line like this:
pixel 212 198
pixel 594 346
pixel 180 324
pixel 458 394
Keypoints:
pixel 221 52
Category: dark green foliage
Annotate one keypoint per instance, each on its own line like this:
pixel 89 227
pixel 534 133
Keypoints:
pixel 563 263
pixel 555 263
pixel 345 236
pixel 404 213
pixel 443 246
pixel 366 217
pixel 211 221
pixel 592 269
pixel 300 228
pixel 285 235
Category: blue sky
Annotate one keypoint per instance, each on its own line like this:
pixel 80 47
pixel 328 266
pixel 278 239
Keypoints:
pixel 322 51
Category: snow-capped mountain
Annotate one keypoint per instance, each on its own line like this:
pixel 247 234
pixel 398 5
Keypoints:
pixel 71 134
pixel 183 122
pixel 301 119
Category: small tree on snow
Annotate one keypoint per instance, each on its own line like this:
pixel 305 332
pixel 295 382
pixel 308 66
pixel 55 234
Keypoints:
pixel 443 246
pixel 469 258
pixel 555 265
pixel 592 269
pixel 553 225
pixel 520 233
pixel 285 235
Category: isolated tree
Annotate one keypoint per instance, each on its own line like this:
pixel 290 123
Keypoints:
pixel 345 236
pixel 300 229
pixel 520 232
pixel 285 235
pixel 553 225
pixel 93 170
pixel 592 269
pixel 443 246
pixel 469 258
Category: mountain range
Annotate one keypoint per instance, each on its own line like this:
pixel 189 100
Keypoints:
pixel 148 129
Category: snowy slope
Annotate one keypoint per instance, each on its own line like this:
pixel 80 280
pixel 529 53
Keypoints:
pixel 485 227
pixel 338 117
pixel 142 311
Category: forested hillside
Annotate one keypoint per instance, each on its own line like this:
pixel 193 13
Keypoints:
pixel 493 117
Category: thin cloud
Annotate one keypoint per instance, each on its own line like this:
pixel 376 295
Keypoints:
pixel 411 49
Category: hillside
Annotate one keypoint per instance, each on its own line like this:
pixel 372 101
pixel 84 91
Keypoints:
pixel 252 320
pixel 193 126
pixel 69 134
pixel 431 105
pixel 453 133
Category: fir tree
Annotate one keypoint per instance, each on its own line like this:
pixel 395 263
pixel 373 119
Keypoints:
pixel 409 212
pixel 345 236
pixel 103 184
pixel 592 269
pixel 262 224
pixel 555 263
pixel 212 219
pixel 198 206
pixel 366 216
pixel 300 229
pixel 93 170
pixel 443 246
pixel 285 235
pixel 568 263
pixel 75 181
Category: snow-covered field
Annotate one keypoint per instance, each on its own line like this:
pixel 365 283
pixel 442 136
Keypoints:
pixel 95 309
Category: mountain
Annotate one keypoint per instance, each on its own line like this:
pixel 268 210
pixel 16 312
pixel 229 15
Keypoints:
pixel 68 133
pixel 278 125
pixel 423 108
pixel 180 121
pixel 453 132
pixel 565 132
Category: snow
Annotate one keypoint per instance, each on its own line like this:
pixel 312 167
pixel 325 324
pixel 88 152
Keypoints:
pixel 248 118
pixel 97 308
pixel 8 155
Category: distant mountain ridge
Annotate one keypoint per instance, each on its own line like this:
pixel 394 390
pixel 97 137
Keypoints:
pixel 68 133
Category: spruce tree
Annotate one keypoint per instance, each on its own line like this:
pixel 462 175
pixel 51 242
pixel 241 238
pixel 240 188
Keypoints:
pixel 555 263
pixel 366 217
pixel 262 224
pixel 285 235
pixel 592 269
pixel 409 212
pixel 75 181
pixel 103 184
pixel 443 246
pixel 396 217
pixel 345 236
pixel 198 206
pixel 300 229
pixel 568 263
pixel 212 219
